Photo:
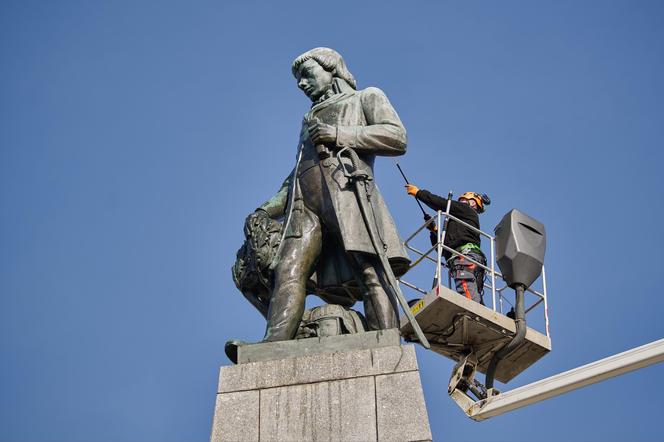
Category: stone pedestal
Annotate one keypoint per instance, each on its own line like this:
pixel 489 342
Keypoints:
pixel 369 391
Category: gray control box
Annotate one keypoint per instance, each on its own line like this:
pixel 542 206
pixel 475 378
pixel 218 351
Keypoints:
pixel 520 247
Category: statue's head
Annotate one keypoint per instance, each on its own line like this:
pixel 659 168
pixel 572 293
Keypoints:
pixel 316 69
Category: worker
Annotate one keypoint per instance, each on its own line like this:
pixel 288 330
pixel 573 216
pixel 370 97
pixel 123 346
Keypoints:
pixel 468 277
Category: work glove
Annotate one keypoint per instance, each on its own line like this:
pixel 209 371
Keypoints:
pixel 433 230
pixel 431 227
pixel 412 189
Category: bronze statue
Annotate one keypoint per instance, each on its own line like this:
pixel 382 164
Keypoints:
pixel 331 240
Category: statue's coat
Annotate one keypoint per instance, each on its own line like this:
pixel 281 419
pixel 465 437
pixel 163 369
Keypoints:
pixel 367 123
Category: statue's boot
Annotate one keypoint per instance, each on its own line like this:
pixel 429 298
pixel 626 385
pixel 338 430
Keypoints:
pixel 297 260
pixel 231 349
pixel 286 310
pixel 379 309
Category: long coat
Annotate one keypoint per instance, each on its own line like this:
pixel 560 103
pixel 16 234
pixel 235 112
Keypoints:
pixel 367 123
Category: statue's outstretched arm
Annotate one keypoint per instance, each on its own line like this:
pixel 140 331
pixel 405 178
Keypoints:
pixel 276 206
pixel 384 133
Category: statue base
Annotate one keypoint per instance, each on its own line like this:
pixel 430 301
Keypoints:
pixel 360 387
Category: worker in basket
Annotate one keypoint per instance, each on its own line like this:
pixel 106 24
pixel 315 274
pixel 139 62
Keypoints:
pixel 468 277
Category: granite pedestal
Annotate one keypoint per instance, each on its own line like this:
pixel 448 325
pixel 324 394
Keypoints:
pixel 362 387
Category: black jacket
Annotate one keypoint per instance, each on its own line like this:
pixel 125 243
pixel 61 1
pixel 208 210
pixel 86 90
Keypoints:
pixel 457 234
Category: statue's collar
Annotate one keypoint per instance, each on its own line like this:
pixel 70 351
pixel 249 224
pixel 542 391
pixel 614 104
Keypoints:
pixel 326 96
pixel 339 90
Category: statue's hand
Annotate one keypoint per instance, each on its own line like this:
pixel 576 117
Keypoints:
pixel 321 133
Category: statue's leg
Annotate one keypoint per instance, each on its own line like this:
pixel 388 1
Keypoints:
pixel 297 261
pixel 380 309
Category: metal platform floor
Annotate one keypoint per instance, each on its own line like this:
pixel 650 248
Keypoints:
pixel 455 325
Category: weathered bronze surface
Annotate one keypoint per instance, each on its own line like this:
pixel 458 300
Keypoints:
pixel 330 320
pixel 325 247
pixel 251 271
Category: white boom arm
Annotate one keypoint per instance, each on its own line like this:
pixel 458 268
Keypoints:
pixel 574 379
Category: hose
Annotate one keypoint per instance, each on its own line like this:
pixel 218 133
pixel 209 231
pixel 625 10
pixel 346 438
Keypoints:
pixel 518 338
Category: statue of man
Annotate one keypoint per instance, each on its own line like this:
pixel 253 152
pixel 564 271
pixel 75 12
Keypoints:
pixel 325 239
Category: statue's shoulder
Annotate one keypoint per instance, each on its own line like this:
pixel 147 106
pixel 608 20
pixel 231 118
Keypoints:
pixel 371 94
pixel 371 90
pixel 372 97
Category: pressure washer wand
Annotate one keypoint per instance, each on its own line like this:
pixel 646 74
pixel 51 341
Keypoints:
pixel 408 182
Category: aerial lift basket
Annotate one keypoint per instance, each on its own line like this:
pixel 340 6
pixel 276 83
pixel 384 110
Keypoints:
pixel 471 333
pixel 474 335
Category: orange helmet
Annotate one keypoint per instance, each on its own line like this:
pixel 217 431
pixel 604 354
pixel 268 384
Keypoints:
pixel 481 200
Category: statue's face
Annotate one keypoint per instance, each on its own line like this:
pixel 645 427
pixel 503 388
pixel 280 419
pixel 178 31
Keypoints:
pixel 313 79
pixel 328 327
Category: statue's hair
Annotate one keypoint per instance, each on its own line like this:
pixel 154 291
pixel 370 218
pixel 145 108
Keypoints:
pixel 330 60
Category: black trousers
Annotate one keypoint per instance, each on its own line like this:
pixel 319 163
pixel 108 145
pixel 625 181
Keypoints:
pixel 469 277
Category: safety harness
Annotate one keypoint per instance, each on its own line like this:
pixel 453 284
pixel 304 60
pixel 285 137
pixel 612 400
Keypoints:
pixel 464 249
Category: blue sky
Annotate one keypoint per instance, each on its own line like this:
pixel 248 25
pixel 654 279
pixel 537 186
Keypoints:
pixel 136 136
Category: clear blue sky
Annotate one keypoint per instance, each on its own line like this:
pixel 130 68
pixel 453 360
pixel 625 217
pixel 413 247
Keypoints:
pixel 136 136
